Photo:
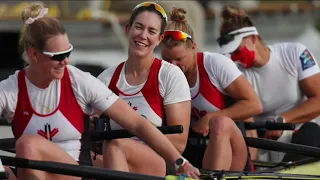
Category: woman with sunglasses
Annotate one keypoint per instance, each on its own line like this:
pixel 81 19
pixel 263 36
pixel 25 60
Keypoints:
pixel 213 80
pixel 46 103
pixel 285 76
pixel 154 88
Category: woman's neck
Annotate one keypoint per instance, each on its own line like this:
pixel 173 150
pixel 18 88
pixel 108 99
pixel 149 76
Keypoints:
pixel 35 77
pixel 263 55
pixel 137 69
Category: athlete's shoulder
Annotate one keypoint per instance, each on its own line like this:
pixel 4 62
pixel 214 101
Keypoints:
pixel 79 77
pixel 76 71
pixel 107 74
pixel 216 60
pixel 10 85
pixel 12 80
pixel 212 55
pixel 167 65
pixel 215 57
pixel 168 68
pixel 288 48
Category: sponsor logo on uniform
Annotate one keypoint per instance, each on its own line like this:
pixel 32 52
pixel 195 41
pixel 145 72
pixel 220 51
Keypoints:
pixel 306 60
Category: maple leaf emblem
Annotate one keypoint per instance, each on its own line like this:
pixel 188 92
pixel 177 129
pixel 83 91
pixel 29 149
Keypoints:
pixel 135 108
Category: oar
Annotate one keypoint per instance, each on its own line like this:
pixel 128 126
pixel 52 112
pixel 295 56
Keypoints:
pixel 9 143
pixel 74 170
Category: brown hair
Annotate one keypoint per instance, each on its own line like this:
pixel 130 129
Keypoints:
pixel 178 22
pixel 150 8
pixel 233 18
pixel 37 33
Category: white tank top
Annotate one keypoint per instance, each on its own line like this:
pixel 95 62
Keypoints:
pixel 147 101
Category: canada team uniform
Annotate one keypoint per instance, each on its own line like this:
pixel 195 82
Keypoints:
pixel 215 72
pixel 57 112
pixel 277 83
pixel 166 84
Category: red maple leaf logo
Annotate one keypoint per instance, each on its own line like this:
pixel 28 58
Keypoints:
pixel 51 133
pixel 135 108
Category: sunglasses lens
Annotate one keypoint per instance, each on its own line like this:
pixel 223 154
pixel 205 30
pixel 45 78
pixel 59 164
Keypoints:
pixel 176 35
pixel 156 6
pixel 61 57
pixel 161 11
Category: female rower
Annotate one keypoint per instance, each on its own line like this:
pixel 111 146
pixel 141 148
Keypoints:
pixel 285 76
pixel 213 80
pixel 46 103
pixel 154 88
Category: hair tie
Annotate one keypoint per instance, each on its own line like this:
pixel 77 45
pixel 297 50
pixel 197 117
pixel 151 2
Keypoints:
pixel 42 13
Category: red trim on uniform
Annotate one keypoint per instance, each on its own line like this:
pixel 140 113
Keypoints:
pixel 68 105
pixel 22 106
pixel 207 89
pixel 150 90
pixel 252 166
pixel 75 116
pixel 115 77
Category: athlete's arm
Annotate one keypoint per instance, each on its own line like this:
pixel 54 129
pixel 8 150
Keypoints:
pixel 126 117
pixel 177 104
pixel 309 81
pixel 179 114
pixel 247 103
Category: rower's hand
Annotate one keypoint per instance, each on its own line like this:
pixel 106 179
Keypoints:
pixel 202 125
pixel 274 135
pixel 92 123
pixel 189 170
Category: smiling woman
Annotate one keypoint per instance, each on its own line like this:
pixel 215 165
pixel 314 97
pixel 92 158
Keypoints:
pixel 154 88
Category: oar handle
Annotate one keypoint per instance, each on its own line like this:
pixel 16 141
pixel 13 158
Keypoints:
pixel 117 134
pixel 269 125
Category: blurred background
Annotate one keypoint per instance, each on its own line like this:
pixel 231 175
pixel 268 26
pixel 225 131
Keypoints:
pixel 96 28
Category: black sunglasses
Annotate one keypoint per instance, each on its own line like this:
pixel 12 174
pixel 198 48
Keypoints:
pixel 59 56
pixel 226 38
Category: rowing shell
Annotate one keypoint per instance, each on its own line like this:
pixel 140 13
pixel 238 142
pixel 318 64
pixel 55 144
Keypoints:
pixel 308 171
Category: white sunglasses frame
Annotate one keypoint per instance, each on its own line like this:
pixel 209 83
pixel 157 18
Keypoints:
pixel 51 54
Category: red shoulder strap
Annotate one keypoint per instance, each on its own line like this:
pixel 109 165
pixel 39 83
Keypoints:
pixel 115 78
pixel 151 90
pixel 206 88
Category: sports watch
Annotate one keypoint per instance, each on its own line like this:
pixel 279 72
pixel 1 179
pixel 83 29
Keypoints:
pixel 180 162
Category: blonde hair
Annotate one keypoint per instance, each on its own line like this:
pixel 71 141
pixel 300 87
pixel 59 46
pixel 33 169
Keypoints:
pixel 178 22
pixel 36 34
